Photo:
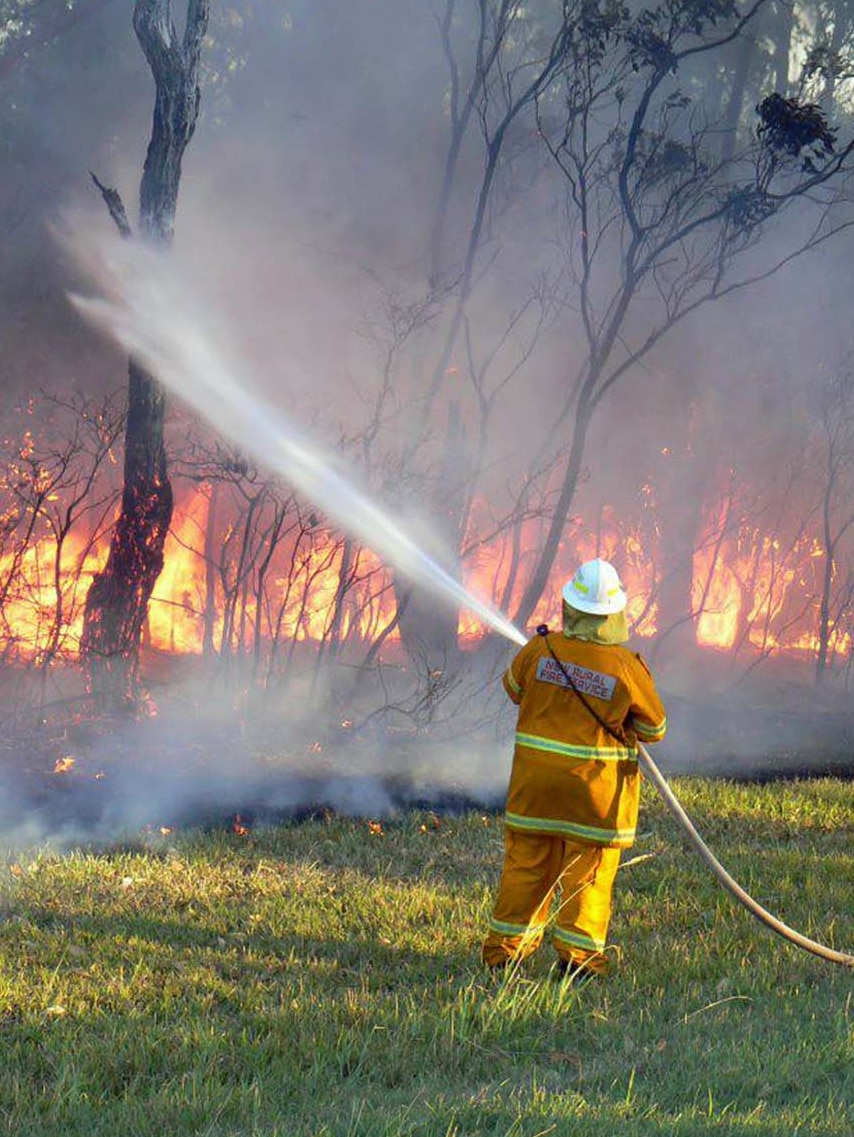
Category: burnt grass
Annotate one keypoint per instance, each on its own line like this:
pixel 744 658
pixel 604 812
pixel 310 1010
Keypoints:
pixel 73 778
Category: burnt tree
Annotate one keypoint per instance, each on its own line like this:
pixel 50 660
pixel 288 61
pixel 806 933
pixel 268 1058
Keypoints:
pixel 117 602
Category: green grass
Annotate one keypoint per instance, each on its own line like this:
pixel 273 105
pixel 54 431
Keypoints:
pixel 322 979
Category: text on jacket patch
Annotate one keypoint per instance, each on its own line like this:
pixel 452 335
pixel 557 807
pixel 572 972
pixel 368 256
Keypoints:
pixel 588 682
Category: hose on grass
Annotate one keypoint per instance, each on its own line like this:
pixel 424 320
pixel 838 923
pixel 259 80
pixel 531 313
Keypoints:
pixel 652 772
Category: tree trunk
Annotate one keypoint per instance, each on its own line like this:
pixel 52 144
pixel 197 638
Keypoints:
pixel 117 601
pixel 821 661
pixel 841 30
pixel 548 553
pixel 744 55
pixel 782 25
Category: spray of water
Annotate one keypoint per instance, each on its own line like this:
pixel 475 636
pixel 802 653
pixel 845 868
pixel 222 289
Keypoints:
pixel 142 306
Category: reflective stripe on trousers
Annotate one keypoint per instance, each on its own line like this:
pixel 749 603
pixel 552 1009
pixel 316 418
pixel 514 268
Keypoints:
pixel 536 867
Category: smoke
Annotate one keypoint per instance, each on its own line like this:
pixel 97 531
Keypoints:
pixel 308 196
pixel 250 762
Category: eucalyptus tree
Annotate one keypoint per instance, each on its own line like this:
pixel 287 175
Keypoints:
pixel 668 194
pixel 602 111
pixel 659 223
pixel 117 602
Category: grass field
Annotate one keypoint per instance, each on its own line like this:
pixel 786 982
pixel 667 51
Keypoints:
pixel 322 979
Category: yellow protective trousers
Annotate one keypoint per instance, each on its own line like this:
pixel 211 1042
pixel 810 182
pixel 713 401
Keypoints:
pixel 537 866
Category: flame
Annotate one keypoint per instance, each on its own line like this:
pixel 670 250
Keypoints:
pixel 45 578
pixel 63 765
pixel 488 572
pixel 743 587
pixel 306 595
pixel 749 589
pixel 175 621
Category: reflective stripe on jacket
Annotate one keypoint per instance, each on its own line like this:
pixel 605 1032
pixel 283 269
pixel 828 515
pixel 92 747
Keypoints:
pixel 570 776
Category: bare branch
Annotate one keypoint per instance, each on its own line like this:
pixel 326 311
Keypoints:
pixel 115 206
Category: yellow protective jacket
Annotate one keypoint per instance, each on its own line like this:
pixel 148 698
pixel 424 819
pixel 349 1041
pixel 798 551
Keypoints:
pixel 570 776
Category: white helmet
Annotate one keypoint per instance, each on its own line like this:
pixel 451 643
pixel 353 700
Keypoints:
pixel 595 588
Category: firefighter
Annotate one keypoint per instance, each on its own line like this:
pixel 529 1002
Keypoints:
pixel 572 803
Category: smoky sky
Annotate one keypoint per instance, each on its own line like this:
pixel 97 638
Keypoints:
pixel 306 200
pixel 306 203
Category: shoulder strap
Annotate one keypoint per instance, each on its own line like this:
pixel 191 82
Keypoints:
pixel 543 630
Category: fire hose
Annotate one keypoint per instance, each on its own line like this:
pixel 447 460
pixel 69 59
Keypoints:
pixel 652 772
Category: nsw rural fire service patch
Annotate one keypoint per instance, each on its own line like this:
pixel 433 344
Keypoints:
pixel 587 681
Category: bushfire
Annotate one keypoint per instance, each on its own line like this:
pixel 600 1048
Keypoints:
pixel 262 581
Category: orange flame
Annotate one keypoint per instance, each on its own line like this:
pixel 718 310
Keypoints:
pixel 747 589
